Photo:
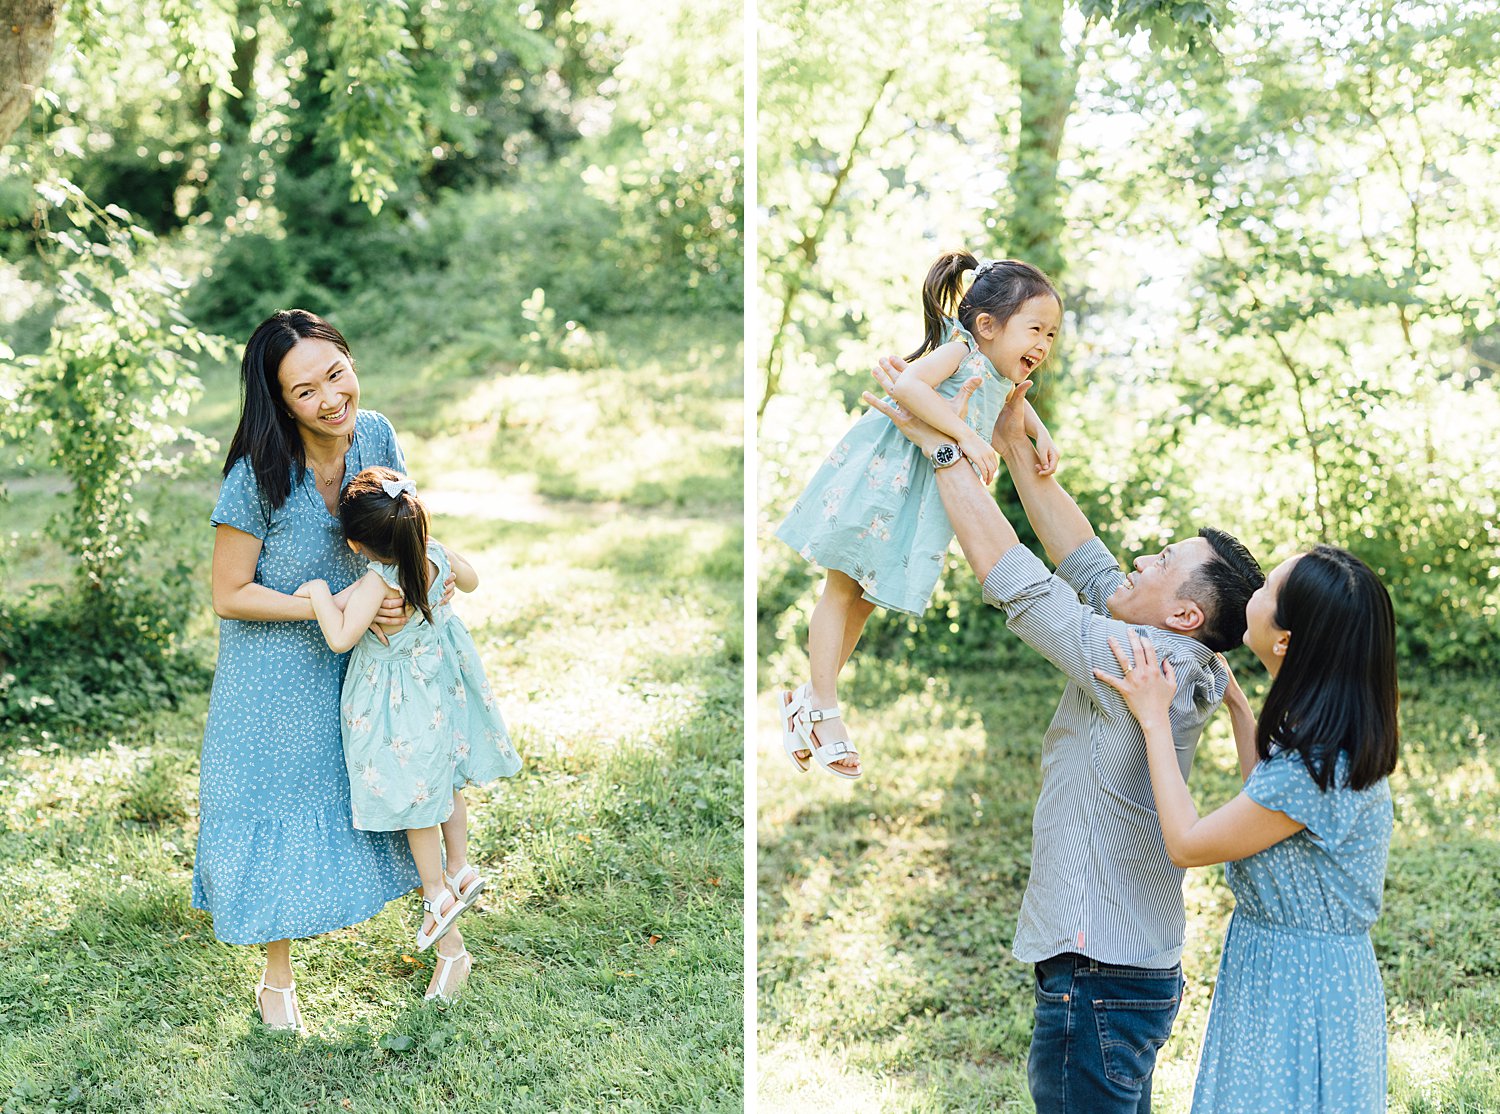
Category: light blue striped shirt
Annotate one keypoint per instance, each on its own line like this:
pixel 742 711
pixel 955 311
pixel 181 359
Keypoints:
pixel 1101 883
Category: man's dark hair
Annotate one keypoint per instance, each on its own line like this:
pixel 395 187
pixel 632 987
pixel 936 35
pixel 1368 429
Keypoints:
pixel 1222 586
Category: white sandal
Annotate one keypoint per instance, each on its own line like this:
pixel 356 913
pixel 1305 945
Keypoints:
pixel 828 753
pixel 442 986
pixel 476 887
pixel 441 923
pixel 289 1003
pixel 794 704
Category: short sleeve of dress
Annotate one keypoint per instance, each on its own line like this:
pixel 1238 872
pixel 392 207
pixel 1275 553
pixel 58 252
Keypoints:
pixel 390 448
pixel 1282 783
pixel 241 503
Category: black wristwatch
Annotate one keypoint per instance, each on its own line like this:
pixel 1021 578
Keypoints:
pixel 946 455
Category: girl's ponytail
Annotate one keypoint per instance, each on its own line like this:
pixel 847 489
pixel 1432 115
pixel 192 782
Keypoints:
pixel 409 542
pixel 942 291
pixel 380 510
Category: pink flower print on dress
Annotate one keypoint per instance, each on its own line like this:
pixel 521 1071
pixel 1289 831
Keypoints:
pixel 396 696
pixel 370 776
pixel 879 527
pixel 875 470
pixel 420 794
pixel 461 747
pixel 456 690
pixel 805 553
pixel 436 721
pixel 831 500
pixel 359 725
pixel 401 748
pixel 901 481
pixel 839 455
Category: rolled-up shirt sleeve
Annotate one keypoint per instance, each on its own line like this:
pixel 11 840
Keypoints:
pixel 1044 611
pixel 1093 572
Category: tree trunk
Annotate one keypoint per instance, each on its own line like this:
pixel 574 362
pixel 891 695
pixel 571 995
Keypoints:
pixel 239 113
pixel 1047 77
pixel 27 30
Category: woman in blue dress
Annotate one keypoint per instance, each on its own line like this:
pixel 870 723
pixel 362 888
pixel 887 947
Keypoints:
pixel 278 856
pixel 1298 1014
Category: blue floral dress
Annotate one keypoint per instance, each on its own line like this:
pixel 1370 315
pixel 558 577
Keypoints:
pixel 278 857
pixel 872 510
pixel 1298 1014
pixel 419 718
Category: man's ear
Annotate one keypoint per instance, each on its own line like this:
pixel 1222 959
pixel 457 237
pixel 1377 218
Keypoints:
pixel 1187 618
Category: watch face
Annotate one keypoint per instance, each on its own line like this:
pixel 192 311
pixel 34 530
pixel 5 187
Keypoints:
pixel 945 455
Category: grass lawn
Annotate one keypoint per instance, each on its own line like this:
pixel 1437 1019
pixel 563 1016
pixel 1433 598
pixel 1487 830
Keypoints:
pixel 602 510
pixel 887 906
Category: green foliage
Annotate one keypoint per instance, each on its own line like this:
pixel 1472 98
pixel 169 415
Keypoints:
pixel 1279 316
pixel 372 113
pixel 64 665
pixel 106 397
pixel 118 369
pixel 1170 23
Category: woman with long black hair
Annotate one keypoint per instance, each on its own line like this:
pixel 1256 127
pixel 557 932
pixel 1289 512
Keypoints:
pixel 1298 1014
pixel 278 856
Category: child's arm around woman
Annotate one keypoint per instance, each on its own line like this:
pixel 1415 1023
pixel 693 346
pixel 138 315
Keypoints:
pixel 343 628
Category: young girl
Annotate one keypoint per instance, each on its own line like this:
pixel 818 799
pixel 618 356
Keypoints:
pixel 419 720
pixel 872 515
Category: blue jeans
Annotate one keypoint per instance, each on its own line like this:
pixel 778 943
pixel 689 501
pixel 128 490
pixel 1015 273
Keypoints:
pixel 1098 1028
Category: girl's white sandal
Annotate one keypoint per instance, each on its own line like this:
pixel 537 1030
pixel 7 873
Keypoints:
pixel 470 894
pixel 442 923
pixel 795 736
pixel 442 987
pixel 293 1024
pixel 829 753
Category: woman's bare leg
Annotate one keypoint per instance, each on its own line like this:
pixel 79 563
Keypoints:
pixel 451 944
pixel 278 973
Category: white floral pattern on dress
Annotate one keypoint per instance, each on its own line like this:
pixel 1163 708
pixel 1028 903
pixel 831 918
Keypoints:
pixel 872 470
pixel 430 740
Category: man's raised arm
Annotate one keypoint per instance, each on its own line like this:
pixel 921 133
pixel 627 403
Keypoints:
pixel 981 527
pixel 1059 524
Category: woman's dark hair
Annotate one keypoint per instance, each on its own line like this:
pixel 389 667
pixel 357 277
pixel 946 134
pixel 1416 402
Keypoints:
pixel 267 432
pixel 1337 688
pixel 1000 289
pixel 394 528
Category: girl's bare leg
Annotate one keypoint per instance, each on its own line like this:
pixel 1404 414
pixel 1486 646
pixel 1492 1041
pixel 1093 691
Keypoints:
pixel 427 853
pixel 859 615
pixel 828 647
pixel 278 973
pixel 456 835
pixel 456 848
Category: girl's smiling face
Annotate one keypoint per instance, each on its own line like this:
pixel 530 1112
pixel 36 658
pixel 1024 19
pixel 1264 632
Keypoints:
pixel 1018 347
pixel 319 388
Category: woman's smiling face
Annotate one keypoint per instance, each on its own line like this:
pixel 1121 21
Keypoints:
pixel 319 388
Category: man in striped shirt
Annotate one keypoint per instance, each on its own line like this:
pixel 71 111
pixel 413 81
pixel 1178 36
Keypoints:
pixel 1102 916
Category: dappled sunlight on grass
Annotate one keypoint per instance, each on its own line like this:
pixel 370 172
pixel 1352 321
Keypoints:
pixel 887 906
pixel 608 945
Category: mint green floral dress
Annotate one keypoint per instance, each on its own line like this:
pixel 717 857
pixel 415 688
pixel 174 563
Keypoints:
pixel 872 510
pixel 419 719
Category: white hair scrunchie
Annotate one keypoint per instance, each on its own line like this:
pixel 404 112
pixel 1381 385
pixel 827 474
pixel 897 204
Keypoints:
pixel 394 488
